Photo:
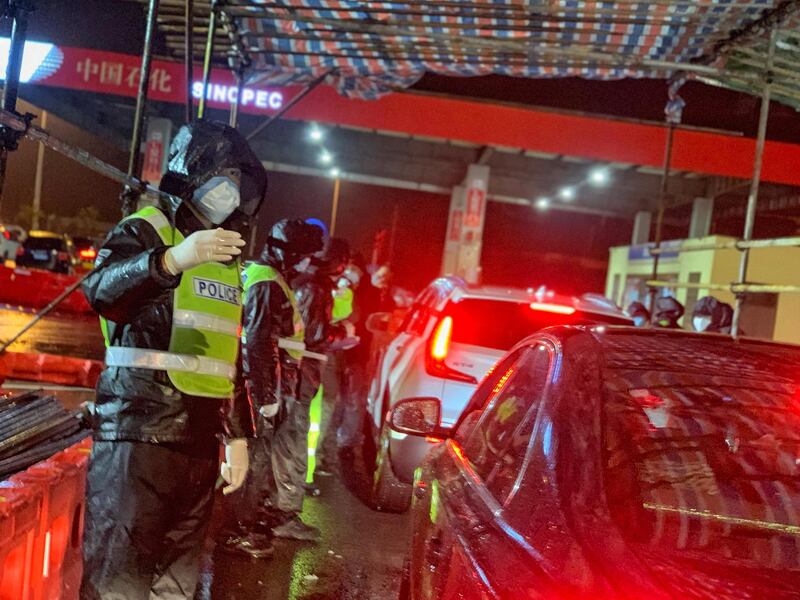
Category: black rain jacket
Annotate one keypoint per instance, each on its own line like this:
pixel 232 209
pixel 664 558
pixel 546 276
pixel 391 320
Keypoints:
pixel 131 290
pixel 268 316
pixel 314 294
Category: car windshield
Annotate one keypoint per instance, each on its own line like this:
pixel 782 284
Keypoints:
pixel 44 243
pixel 704 474
pixel 500 324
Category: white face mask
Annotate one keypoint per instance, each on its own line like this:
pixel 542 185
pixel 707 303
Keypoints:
pixel 217 198
pixel 303 265
pixel 701 323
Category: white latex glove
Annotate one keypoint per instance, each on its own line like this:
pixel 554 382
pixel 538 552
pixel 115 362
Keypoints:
pixel 234 469
pixel 269 410
pixel 212 245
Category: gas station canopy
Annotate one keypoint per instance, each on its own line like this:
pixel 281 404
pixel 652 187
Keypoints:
pixel 367 49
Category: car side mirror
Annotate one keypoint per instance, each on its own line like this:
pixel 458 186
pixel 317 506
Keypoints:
pixel 378 322
pixel 417 416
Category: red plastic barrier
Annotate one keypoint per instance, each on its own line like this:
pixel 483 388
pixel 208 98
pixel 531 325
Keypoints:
pixel 51 565
pixel 49 368
pixel 35 288
pixel 20 511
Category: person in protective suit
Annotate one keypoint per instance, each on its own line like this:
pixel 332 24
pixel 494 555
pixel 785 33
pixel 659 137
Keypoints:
pixel 712 316
pixel 639 313
pixel 314 292
pixel 167 286
pixel 667 313
pixel 272 344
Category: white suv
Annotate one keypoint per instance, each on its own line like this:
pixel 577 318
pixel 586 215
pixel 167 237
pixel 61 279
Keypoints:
pixel 450 339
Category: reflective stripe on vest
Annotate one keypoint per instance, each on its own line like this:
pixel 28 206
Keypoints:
pixel 256 273
pixel 142 358
pixel 290 344
pixel 206 313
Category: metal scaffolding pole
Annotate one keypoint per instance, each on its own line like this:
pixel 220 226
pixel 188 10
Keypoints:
pixel 752 199
pixel 735 288
pixel 209 53
pixel 19 30
pixel 134 159
pixel 189 50
pixel 233 119
pixel 662 200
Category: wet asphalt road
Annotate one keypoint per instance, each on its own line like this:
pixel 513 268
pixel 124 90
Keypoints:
pixel 360 555
pixel 68 335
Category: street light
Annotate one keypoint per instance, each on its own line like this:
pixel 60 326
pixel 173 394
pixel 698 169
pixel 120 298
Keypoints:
pixel 543 203
pixel 315 133
pixel 599 176
pixel 334 172
pixel 567 193
pixel 326 157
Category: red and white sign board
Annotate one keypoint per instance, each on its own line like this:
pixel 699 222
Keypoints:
pixel 455 230
pixel 476 187
pixel 462 251
pixel 156 149
pixel 119 74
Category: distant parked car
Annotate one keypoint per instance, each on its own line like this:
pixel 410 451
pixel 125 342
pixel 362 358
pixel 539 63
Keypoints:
pixel 49 251
pixel 87 251
pixel 603 462
pixel 11 238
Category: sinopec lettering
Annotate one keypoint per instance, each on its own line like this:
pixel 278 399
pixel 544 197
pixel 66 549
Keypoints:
pixel 227 94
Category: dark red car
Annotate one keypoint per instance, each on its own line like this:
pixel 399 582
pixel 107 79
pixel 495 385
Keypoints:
pixel 614 463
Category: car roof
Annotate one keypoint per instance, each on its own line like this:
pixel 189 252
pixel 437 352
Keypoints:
pixel 651 351
pixel 588 303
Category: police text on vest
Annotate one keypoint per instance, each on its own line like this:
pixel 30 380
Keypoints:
pixel 215 290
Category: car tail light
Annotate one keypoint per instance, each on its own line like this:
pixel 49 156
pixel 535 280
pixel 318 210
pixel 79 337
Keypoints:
pixel 437 351
pixel 62 256
pixel 440 342
pixel 559 309
pixel 88 254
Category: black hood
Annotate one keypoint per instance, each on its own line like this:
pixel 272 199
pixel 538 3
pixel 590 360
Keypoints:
pixel 333 259
pixel 290 241
pixel 721 313
pixel 667 312
pixel 202 149
pixel 637 309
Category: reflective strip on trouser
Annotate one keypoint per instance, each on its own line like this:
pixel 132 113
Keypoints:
pixel 314 418
pixel 140 358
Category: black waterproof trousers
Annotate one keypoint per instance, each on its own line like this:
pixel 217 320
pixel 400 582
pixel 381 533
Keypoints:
pixel 277 467
pixel 147 511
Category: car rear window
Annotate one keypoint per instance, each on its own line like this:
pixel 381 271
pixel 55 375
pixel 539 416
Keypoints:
pixel 44 243
pixel 501 324
pixel 707 473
